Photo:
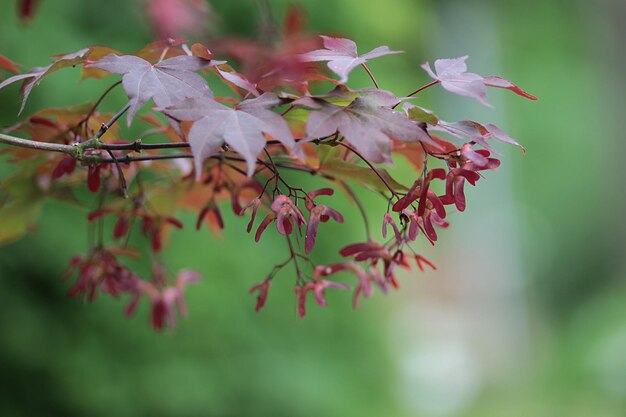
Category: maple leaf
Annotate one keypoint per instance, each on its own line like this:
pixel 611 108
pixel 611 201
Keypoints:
pixel 32 78
pixel 342 55
pixel 241 127
pixel 476 132
pixel 499 82
pixel 166 83
pixel 453 76
pixel 367 122
pixel 232 77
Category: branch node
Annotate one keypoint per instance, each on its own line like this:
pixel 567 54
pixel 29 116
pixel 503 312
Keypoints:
pixel 137 145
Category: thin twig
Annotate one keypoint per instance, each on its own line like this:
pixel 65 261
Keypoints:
pixel 95 106
pixel 360 206
pixel 127 158
pixel 370 74
pixel 94 141
pixel 424 87
pixel 120 173
pixel 372 167
pixel 295 260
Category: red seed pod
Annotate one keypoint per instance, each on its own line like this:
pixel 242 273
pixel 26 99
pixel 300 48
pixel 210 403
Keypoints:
pixel 66 165
pixel 156 240
pixel 93 178
pixel 26 9
pixel 121 227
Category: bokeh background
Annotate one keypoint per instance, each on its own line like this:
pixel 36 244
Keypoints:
pixel 525 316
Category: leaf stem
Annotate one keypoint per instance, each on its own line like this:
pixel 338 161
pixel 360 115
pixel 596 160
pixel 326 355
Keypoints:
pixel 295 259
pixel 97 103
pixel 424 87
pixel 370 74
pixel 372 167
pixel 360 206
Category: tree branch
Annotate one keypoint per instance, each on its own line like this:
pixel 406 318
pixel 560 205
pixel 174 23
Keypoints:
pixel 40 146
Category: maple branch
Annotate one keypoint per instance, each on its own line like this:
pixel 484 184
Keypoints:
pixel 95 159
pixel 138 146
pixel 76 151
pixel 41 146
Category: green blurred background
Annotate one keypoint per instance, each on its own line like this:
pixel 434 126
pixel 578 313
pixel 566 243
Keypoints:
pixel 526 315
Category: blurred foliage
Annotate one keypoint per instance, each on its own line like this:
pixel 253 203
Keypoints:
pixel 60 357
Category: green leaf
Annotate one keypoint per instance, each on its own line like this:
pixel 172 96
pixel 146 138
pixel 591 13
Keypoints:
pixel 326 153
pixel 422 115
